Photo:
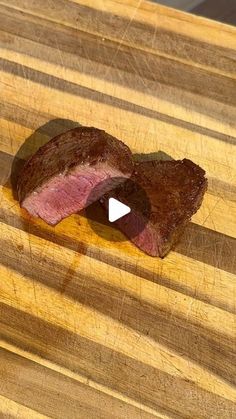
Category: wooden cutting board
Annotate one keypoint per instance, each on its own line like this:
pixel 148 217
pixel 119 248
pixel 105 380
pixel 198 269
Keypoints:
pixel 94 328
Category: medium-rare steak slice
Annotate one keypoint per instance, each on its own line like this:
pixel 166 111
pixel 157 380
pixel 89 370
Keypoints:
pixel 175 191
pixel 57 180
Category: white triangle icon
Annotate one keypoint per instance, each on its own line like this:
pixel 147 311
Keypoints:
pixel 117 210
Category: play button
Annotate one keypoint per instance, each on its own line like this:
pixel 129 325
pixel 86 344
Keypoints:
pixel 119 207
pixel 117 210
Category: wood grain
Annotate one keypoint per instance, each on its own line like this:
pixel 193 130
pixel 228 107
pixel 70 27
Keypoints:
pixel 90 326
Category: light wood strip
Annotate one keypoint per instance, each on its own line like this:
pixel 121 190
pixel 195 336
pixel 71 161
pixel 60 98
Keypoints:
pixel 11 409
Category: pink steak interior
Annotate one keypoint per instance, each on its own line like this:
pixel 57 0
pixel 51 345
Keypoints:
pixel 64 195
pixel 140 232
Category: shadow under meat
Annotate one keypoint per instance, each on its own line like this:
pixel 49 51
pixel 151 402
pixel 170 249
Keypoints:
pixel 158 155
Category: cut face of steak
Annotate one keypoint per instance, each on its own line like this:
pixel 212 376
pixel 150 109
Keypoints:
pixel 57 180
pixel 174 190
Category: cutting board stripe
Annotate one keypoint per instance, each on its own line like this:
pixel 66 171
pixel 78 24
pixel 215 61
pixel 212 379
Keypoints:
pixel 82 356
pixel 25 244
pixel 139 270
pixel 163 41
pixel 90 327
pixel 12 409
pixel 217 256
pixel 196 235
pixel 157 71
pixel 153 95
pixel 125 308
pixel 103 98
pixel 160 69
pixel 77 89
pixel 67 232
pixel 56 402
pixel 221 255
pixel 215 185
pixel 195 143
pixel 78 366
pixel 48 129
pixel 85 323
pixel 27 142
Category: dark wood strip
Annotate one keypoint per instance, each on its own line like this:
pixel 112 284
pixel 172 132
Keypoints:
pixel 222 189
pixel 133 62
pixel 211 350
pixel 159 390
pixel 208 246
pixel 55 395
pixel 37 120
pixel 138 34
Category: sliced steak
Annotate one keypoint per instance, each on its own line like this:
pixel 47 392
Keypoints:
pixel 57 180
pixel 174 189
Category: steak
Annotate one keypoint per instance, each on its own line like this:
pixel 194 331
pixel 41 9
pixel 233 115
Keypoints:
pixel 174 191
pixel 57 180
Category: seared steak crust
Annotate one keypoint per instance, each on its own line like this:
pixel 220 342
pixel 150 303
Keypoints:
pixel 175 190
pixel 82 145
